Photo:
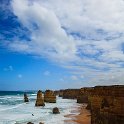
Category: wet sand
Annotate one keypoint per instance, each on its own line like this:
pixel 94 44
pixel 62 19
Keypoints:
pixel 83 118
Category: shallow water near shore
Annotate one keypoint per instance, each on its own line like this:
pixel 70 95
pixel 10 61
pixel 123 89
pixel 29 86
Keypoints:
pixel 14 111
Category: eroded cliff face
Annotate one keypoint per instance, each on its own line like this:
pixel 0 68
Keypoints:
pixel 107 104
pixel 56 92
pixel 49 96
pixel 61 93
pixel 39 100
pixel 70 93
pixel 83 95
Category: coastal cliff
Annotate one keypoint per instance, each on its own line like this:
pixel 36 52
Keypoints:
pixel 107 104
pixel 70 93
pixel 61 93
pixel 49 96
pixel 83 95
pixel 80 94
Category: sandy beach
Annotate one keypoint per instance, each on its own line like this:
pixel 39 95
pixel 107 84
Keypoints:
pixel 83 118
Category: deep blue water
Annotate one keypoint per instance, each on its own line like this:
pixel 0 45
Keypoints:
pixel 15 97
pixel 3 93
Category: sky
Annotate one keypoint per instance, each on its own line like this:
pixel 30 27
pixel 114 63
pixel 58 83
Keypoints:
pixel 57 44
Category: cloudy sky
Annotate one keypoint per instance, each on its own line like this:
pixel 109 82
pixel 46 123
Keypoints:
pixel 61 43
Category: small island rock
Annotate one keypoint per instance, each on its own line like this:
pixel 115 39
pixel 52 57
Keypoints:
pixel 30 123
pixel 41 123
pixel 56 110
pixel 26 98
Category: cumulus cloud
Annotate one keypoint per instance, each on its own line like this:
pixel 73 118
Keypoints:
pixel 47 36
pixel 84 36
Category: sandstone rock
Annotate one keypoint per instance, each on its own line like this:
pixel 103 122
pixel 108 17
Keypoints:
pixel 30 123
pixel 56 110
pixel 41 123
pixel 39 100
pixel 70 93
pixel 107 104
pixel 49 96
pixel 61 93
pixel 26 98
pixel 56 92
pixel 82 96
pixel 88 107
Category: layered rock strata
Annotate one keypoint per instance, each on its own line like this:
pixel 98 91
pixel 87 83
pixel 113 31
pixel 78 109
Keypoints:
pixel 49 96
pixel 70 93
pixel 61 93
pixel 83 95
pixel 56 92
pixel 107 104
pixel 39 100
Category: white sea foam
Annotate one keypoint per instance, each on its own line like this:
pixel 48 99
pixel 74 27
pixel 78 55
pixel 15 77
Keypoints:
pixel 22 113
pixel 33 94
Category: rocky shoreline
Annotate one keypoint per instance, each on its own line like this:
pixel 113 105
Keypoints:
pixel 100 104
pixel 106 103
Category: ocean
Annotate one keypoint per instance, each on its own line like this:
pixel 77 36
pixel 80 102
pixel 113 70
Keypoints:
pixel 13 110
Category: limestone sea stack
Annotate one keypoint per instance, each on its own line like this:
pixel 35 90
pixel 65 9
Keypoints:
pixel 49 96
pixel 39 100
pixel 26 98
pixel 41 123
pixel 30 123
pixel 56 110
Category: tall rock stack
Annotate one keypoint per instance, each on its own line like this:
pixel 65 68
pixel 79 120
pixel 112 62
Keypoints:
pixel 107 105
pixel 39 100
pixel 26 98
pixel 49 96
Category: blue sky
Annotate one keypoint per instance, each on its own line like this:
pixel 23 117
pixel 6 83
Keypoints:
pixel 61 44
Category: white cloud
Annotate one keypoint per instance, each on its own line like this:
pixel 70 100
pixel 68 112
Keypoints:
pixel 46 32
pixel 86 36
pixel 19 75
pixel 74 77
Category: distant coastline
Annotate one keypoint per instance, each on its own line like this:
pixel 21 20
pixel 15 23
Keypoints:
pixel 104 104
